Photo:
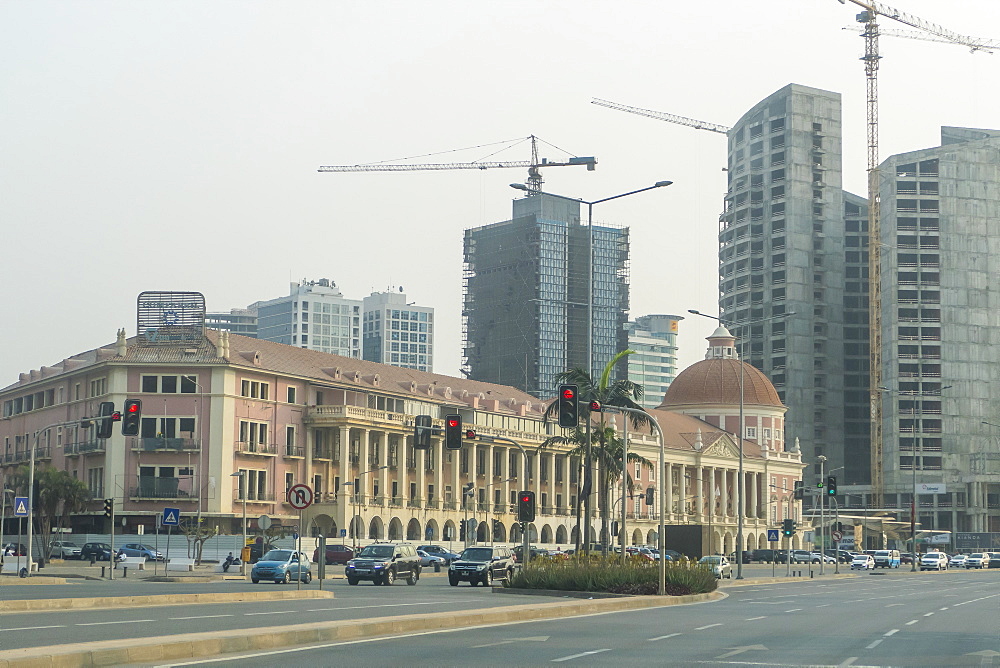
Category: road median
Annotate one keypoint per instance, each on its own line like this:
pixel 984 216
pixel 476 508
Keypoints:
pixel 165 649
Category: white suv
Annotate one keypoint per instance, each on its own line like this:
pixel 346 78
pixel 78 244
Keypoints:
pixel 934 561
pixel 977 560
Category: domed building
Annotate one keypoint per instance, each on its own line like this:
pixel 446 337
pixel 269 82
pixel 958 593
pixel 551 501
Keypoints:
pixel 711 390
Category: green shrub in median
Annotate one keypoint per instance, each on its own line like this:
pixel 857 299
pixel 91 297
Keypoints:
pixel 607 574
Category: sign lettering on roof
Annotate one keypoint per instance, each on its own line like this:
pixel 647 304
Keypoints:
pixel 170 317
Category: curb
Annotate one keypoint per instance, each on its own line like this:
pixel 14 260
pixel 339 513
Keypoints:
pixel 746 582
pixel 199 645
pixel 50 604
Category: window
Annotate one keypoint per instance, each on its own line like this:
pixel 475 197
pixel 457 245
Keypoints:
pixel 289 481
pixel 290 436
pixel 254 389
pixel 168 384
pixel 98 387
pixel 291 395
pixel 150 383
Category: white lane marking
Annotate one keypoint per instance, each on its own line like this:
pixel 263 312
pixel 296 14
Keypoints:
pixel 976 599
pixel 577 656
pixel 893 604
pixel 928 614
pixel 874 644
pixel 912 622
pixel 669 635
pixel 848 662
pixel 202 617
pixel 825 605
pixel 274 612
pixel 123 621
pixel 793 610
pixel 753 619
pixel 32 628
pixel 892 632
pixel 943 609
pixel 707 626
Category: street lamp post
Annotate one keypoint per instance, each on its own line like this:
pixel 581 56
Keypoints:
pixel 590 314
pixel 241 474
pixel 742 430
pixel 3 515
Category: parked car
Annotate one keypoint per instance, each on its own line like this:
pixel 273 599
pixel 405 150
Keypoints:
pixel 482 565
pixel 384 563
pixel 747 556
pixel 801 556
pixel 825 558
pixel 64 549
pixel 934 561
pixel 978 560
pixel 994 561
pixel 282 566
pixel 140 550
pixel 958 561
pixel 905 558
pixel 335 554
pixel 439 551
pixel 98 551
pixel 862 562
pixel 718 564
pixel 427 560
pixel 843 556
pixel 535 552
pixel 887 558
pixel 16 549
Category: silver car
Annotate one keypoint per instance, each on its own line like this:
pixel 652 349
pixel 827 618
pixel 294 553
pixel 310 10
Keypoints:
pixel 64 549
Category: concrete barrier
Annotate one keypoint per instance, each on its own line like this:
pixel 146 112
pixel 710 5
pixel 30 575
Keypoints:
pixel 180 564
pixel 49 604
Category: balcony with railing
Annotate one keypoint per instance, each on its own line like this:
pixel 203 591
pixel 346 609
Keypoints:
pixel 251 448
pixel 41 453
pixel 254 497
pixel 151 487
pixel 294 451
pixel 161 444
pixel 85 447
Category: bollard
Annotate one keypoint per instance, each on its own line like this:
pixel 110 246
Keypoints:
pixel 810 573
pixel 102 571
pixel 437 566
pixel 93 559
pixel 124 571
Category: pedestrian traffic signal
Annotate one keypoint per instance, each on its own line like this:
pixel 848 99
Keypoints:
pixel 595 406
pixel 470 434
pixel 526 506
pixel 106 421
pixel 788 527
pixel 132 417
pixel 649 496
pixel 422 432
pixel 453 432
pixel 799 490
pixel 831 485
pixel 109 507
pixel 569 406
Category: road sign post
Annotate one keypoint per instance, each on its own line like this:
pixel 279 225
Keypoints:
pixel 171 518
pixel 300 497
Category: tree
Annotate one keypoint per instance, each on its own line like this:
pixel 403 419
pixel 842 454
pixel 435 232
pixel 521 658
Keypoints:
pixel 621 393
pixel 197 534
pixel 59 496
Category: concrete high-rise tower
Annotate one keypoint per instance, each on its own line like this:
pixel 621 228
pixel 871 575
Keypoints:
pixel 526 294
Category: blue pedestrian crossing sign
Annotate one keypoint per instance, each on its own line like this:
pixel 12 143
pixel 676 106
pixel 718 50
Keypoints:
pixel 20 506
pixel 772 535
pixel 171 517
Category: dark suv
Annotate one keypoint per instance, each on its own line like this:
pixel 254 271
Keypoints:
pixel 482 565
pixel 99 551
pixel 383 563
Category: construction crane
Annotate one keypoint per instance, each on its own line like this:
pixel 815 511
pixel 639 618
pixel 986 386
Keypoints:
pixel 982 45
pixel 869 17
pixel 533 182
pixel 661 116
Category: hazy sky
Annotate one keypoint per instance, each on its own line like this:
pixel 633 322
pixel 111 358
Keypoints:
pixel 173 145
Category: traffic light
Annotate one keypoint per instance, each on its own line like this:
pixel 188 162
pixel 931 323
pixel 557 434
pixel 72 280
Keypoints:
pixel 422 432
pixel 453 432
pixel 595 406
pixel 109 507
pixel 526 506
pixel 470 434
pixel 132 417
pixel 649 496
pixel 788 527
pixel 106 421
pixel 831 485
pixel 569 406
pixel 799 490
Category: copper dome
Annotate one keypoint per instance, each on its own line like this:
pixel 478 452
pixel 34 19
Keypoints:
pixel 717 381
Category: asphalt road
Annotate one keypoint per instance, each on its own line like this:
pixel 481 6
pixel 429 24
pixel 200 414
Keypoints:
pixel 431 594
pixel 889 619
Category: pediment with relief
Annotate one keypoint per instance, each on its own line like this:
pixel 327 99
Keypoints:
pixel 724 446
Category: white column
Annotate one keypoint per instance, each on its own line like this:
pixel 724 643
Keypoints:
pixel 383 475
pixel 364 480
pixel 505 487
pixel 402 475
pixel 345 460
pixel 682 492
pixel 421 477
pixel 724 476
pixel 667 486
pixel 437 446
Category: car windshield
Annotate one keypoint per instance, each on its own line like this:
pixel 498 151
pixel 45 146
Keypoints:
pixel 710 560
pixel 477 554
pixel 66 543
pixel 378 551
pixel 277 555
pixel 976 555
pixel 864 558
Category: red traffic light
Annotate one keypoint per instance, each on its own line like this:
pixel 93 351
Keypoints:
pixel 569 393
pixel 453 423
pixel 526 499
pixel 132 407
pixel 470 433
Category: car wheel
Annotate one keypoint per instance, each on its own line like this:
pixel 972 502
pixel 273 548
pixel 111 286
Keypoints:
pixel 412 578
pixel 308 578
pixel 389 577
pixel 510 575
pixel 352 581
pixel 488 578
pixel 453 582
pixel 287 579
pixel 255 580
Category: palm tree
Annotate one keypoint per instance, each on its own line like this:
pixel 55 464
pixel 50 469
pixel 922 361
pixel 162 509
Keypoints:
pixel 621 393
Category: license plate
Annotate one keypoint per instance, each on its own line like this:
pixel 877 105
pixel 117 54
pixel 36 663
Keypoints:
pixel 362 570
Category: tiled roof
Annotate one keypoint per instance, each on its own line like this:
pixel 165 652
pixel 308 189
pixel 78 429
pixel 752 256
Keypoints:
pixel 680 431
pixel 717 381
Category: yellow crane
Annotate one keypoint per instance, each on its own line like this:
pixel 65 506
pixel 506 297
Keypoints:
pixel 869 17
pixel 534 180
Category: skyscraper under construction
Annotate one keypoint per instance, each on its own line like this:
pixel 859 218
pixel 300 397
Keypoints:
pixel 527 286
